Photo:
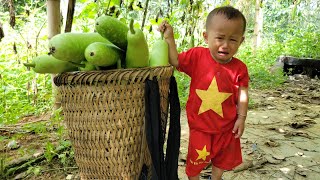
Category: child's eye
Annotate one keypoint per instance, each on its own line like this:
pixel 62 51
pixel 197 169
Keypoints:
pixel 219 38
pixel 234 40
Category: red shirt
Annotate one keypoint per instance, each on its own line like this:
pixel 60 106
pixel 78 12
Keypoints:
pixel 213 96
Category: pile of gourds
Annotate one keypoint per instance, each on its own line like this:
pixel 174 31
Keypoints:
pixel 114 45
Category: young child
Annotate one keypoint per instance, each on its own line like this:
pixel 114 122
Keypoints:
pixel 218 98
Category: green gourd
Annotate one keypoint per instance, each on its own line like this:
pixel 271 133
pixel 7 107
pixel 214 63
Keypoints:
pixel 71 46
pixel 159 55
pixel 103 54
pixel 137 54
pixel 112 29
pixel 44 64
pixel 87 66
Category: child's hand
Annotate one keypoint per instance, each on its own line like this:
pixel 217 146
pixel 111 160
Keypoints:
pixel 238 127
pixel 167 30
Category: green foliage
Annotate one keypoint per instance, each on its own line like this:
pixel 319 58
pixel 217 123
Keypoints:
pixel 259 65
pixel 299 35
pixel 17 84
pixel 66 156
pixel 49 152
pixel 303 43
pixel 17 98
pixel 37 128
pixel 36 170
pixel 23 7
pixel 183 86
pixel 2 167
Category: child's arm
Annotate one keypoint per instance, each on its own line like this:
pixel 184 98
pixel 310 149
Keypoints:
pixel 168 35
pixel 242 112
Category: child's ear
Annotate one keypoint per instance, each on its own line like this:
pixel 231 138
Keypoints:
pixel 242 39
pixel 205 36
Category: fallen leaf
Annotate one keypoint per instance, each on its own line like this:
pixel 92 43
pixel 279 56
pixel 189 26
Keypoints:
pixel 244 166
pixel 70 176
pixel 272 143
pixel 297 133
pixel 278 156
pixel 288 172
pixel 259 164
pixel 280 130
pixel 271 160
pixel 298 125
pixel 271 107
pixel 250 152
pixel 310 121
pixel 13 144
pixel 302 171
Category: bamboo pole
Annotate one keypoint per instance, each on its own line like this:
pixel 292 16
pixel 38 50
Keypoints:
pixel 54 17
pixel 70 13
pixel 54 28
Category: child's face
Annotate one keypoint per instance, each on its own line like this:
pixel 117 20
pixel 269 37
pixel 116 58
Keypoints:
pixel 224 37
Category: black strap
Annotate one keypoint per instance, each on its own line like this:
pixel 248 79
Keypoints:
pixel 153 127
pixel 173 143
pixel 162 169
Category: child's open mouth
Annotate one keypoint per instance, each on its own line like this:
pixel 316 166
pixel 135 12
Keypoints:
pixel 222 53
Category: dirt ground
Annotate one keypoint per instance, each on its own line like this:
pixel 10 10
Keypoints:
pixel 281 139
pixel 282 135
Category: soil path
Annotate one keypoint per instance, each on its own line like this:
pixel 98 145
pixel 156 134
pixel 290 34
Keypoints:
pixel 282 135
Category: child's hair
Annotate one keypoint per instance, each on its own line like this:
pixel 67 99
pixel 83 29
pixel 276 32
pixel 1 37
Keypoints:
pixel 230 13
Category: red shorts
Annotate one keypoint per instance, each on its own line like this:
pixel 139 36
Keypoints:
pixel 223 150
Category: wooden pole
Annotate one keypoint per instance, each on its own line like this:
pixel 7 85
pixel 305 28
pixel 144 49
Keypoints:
pixel 54 28
pixel 54 17
pixel 70 13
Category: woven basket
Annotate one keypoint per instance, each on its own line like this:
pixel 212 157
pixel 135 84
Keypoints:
pixel 105 112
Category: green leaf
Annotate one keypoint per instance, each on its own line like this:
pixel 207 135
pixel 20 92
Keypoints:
pixel 49 151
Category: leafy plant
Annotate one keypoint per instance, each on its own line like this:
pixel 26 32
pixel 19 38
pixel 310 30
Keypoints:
pixel 37 128
pixel 67 156
pixel 49 151
pixel 36 170
pixel 259 65
pixel 183 87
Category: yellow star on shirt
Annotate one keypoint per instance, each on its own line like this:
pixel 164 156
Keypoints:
pixel 212 98
pixel 202 154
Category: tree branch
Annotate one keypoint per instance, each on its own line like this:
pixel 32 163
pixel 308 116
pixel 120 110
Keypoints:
pixel 145 14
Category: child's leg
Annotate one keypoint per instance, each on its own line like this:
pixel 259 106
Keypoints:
pixel 194 178
pixel 216 173
pixel 228 154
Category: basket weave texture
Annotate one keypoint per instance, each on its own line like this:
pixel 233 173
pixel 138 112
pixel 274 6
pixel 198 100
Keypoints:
pixel 105 112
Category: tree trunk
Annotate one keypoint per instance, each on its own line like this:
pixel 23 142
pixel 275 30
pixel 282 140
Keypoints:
pixel 54 27
pixel 257 26
pixel 12 13
pixel 70 13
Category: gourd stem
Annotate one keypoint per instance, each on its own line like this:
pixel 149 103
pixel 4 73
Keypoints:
pixel 131 27
pixel 77 65
pixel 29 65
pixel 119 64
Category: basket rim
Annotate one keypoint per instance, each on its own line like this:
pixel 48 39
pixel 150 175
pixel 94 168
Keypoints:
pixel 103 76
